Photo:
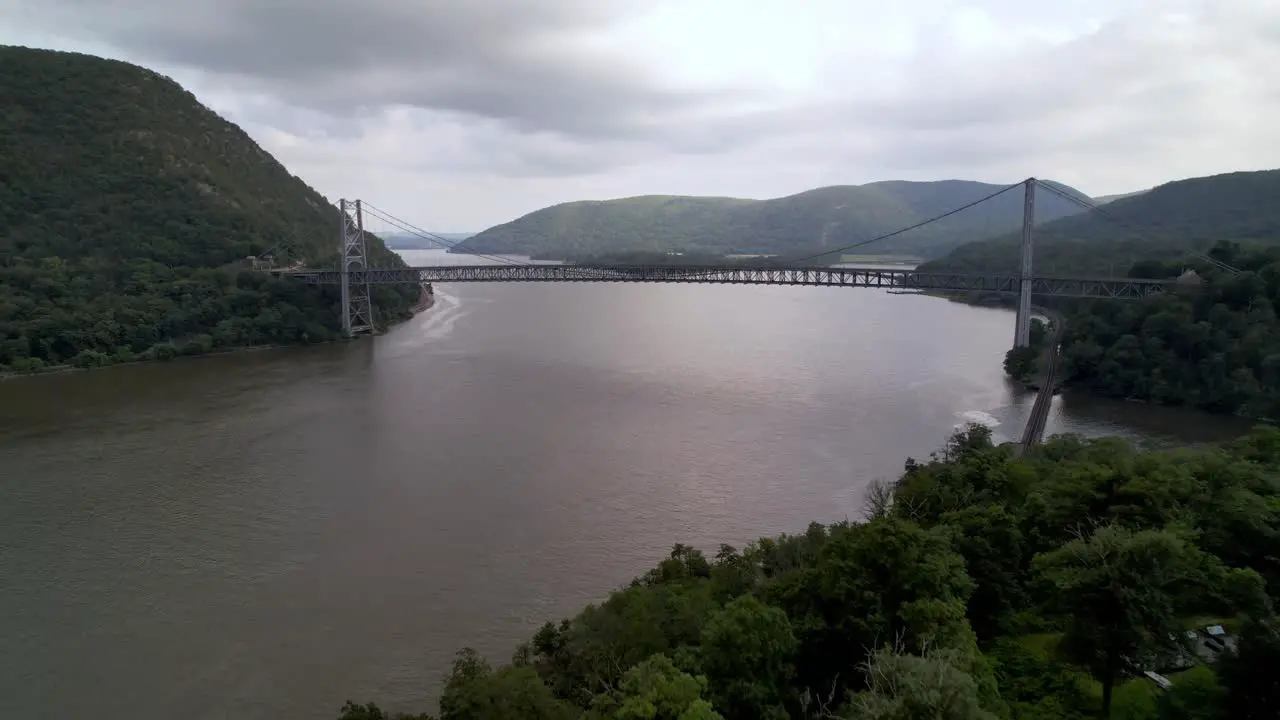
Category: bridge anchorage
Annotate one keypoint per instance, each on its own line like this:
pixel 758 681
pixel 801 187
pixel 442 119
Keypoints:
pixel 356 277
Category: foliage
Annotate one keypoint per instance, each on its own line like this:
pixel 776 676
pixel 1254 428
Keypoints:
pixel 1160 224
pixel 747 649
pixel 1212 345
pixel 1249 675
pixel 127 210
pixel 1195 695
pixel 983 586
pixel 802 224
pixel 370 711
pixel 475 691
pixel 655 690
pixel 905 687
pixel 1034 685
pixel 1020 363
pixel 1125 592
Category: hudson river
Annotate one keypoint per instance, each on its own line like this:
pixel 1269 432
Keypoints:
pixel 268 534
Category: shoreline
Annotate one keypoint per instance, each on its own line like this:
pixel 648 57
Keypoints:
pixel 66 369
pixel 425 302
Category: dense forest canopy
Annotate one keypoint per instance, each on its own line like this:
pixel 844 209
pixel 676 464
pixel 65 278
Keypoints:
pixel 809 222
pixel 1159 224
pixel 127 210
pixel 1212 344
pixel 981 586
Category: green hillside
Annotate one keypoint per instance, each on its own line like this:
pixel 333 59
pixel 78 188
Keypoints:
pixel 126 212
pixel 810 222
pixel 1213 345
pixel 1162 223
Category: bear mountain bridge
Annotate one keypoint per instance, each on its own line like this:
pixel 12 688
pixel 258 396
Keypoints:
pixel 356 277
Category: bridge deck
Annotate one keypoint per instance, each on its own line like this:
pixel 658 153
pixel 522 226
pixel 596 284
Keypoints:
pixel 895 278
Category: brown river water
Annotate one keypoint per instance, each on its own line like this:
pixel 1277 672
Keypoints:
pixel 265 535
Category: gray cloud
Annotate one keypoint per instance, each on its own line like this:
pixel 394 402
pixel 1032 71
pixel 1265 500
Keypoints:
pixel 524 63
pixel 1139 87
pixel 505 105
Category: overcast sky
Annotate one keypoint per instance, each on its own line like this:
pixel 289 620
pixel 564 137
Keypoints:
pixel 461 114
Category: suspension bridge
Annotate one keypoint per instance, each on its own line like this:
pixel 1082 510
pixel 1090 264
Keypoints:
pixel 356 277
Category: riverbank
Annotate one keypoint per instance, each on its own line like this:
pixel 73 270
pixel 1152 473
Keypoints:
pixel 425 302
pixel 426 299
pixel 65 369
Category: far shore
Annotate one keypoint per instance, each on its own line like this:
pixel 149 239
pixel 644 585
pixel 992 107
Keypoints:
pixel 423 305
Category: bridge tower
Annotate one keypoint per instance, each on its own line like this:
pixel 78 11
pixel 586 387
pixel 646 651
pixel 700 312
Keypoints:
pixel 353 256
pixel 1022 332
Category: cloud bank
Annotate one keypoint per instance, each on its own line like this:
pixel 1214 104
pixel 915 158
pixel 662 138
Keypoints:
pixel 460 115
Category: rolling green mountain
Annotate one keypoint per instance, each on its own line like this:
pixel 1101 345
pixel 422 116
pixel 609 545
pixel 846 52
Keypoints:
pixel 810 222
pixel 127 211
pixel 1160 224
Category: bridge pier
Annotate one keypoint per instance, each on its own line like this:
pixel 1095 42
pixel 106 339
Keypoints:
pixel 353 257
pixel 1022 323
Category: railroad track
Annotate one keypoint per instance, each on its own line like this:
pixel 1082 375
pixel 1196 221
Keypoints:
pixel 1034 430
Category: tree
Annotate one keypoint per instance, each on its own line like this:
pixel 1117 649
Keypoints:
pixel 370 711
pixel 474 691
pixel 1021 362
pixel 1196 695
pixel 746 654
pixel 1035 685
pixel 1249 674
pixel 912 687
pixel 990 541
pixel 884 580
pixel 1122 592
pixel 655 690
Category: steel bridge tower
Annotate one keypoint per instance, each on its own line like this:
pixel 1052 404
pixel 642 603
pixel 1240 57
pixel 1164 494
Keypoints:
pixel 1022 325
pixel 353 256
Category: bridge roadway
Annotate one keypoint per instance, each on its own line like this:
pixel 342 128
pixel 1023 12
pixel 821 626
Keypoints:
pixel 888 278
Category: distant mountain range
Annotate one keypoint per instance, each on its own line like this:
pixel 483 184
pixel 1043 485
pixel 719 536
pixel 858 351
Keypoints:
pixel 1164 222
pixel 1104 199
pixel 402 241
pixel 808 223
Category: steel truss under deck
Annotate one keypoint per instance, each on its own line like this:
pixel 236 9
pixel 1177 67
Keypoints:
pixel 889 279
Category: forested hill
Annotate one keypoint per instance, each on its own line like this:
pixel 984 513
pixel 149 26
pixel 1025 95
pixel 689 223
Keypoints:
pixel 127 210
pixel 811 221
pixel 1162 223
pixel 1212 345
